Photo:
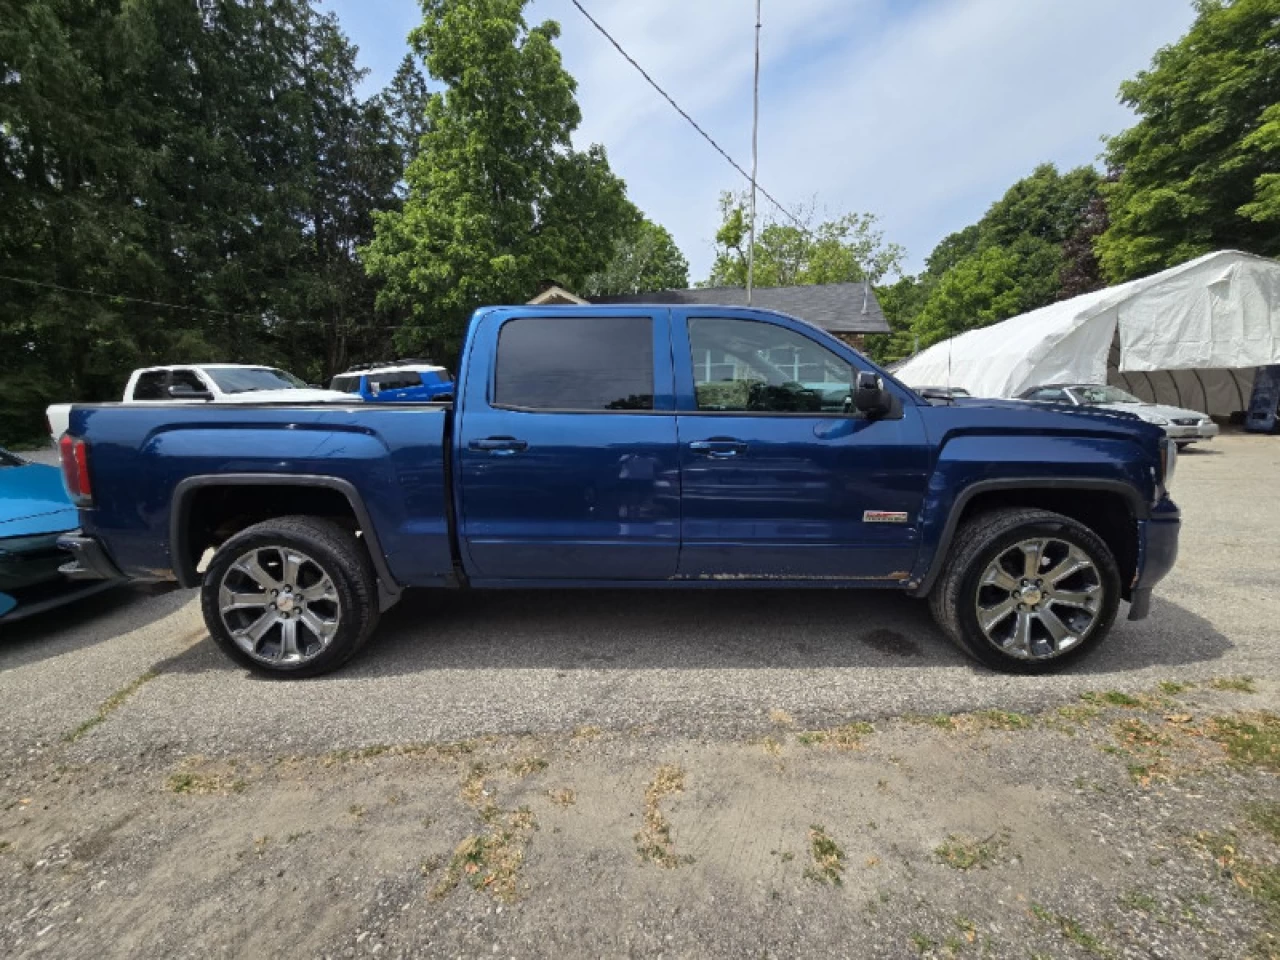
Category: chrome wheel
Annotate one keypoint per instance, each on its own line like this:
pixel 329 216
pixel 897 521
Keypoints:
pixel 279 605
pixel 1039 598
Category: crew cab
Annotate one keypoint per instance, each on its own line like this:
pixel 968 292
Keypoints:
pixel 206 383
pixel 606 446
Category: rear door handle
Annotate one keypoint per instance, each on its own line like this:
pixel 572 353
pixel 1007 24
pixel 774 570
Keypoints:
pixel 718 449
pixel 499 446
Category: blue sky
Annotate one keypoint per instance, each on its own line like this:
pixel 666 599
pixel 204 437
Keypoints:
pixel 920 111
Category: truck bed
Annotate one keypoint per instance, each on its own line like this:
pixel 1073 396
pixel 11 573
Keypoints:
pixel 390 459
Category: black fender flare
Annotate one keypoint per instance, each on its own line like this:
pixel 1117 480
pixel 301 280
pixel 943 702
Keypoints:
pixel 184 568
pixel 1137 506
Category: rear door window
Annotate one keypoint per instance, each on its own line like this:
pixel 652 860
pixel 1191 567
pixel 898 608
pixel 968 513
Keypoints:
pixel 575 363
pixel 150 385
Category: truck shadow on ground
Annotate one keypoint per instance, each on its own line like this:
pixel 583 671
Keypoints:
pixel 705 630
pixel 96 619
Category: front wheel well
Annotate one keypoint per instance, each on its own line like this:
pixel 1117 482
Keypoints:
pixel 1107 513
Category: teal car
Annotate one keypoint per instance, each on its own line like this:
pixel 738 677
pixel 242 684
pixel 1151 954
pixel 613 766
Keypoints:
pixel 34 512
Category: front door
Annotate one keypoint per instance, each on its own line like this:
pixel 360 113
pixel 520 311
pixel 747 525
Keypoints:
pixel 568 467
pixel 780 477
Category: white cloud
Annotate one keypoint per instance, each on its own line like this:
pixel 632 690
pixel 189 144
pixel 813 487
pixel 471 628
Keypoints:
pixel 921 113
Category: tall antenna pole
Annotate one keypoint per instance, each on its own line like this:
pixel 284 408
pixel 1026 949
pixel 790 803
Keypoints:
pixel 755 131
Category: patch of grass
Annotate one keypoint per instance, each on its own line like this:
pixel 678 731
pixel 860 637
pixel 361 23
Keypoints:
pixel 943 721
pixel 489 861
pixel 356 810
pixel 203 781
pixel 528 765
pixel 1174 687
pixel 1070 929
pixel 771 745
pixel 922 943
pixel 586 733
pixel 781 718
pixel 4 845
pixel 1132 732
pixel 846 737
pixel 964 853
pixel 827 857
pixel 1001 720
pixel 110 706
pixel 1259 880
pixel 1266 817
pixel 564 797
pixel 1237 684
pixel 473 791
pixel 1136 900
pixel 1113 698
pixel 1250 739
pixel 653 841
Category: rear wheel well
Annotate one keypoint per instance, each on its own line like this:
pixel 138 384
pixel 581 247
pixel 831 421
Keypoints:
pixel 211 515
pixel 1106 513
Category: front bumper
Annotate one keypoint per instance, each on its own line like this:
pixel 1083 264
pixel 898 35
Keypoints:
pixel 1157 553
pixel 1200 431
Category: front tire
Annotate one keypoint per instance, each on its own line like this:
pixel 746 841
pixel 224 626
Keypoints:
pixel 290 597
pixel 1027 591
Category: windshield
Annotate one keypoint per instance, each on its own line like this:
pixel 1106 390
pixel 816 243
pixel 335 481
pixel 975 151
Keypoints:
pixel 248 379
pixel 7 459
pixel 1092 395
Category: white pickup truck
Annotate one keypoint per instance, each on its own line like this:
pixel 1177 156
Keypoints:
pixel 208 383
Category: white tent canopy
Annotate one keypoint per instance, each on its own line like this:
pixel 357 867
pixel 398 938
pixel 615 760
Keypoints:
pixel 1191 336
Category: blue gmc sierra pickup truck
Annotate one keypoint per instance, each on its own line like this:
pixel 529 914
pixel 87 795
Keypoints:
pixel 620 446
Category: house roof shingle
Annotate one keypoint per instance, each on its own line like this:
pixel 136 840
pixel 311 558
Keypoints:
pixel 836 307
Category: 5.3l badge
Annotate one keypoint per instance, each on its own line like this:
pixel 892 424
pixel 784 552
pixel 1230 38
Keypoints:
pixel 884 516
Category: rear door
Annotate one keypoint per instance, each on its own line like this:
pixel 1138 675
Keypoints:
pixel 780 477
pixel 566 447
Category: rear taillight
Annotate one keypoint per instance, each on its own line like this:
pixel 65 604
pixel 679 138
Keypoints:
pixel 75 469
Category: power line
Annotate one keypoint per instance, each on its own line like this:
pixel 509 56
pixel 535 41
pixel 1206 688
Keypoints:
pixel 115 296
pixel 693 123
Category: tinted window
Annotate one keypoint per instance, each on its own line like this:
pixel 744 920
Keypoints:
pixel 186 378
pixel 398 380
pixel 249 379
pixel 762 368
pixel 345 384
pixel 1056 396
pixel 576 363
pixel 150 386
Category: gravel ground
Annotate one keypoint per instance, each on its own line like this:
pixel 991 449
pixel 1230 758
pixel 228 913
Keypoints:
pixel 146 795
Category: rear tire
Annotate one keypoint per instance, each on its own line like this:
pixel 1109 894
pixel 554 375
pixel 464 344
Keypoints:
pixel 291 597
pixel 1026 591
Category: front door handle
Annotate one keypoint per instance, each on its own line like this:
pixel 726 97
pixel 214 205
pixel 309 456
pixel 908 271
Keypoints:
pixel 718 449
pixel 499 446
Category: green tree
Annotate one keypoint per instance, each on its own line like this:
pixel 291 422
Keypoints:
pixel 209 155
pixel 498 200
pixel 1201 167
pixel 647 258
pixel 848 249
pixel 1011 261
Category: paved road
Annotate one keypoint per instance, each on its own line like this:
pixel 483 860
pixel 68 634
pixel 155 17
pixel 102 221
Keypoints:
pixel 691 664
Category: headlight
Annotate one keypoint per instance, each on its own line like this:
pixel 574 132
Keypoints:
pixel 1168 461
pixel 1158 421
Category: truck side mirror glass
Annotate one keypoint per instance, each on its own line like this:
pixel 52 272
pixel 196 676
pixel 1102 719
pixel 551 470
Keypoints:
pixel 184 391
pixel 870 398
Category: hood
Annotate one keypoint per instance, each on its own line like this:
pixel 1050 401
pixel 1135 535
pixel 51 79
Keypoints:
pixel 32 502
pixel 290 395
pixel 1107 412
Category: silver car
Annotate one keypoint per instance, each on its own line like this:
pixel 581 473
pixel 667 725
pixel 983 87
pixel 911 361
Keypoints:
pixel 1180 425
